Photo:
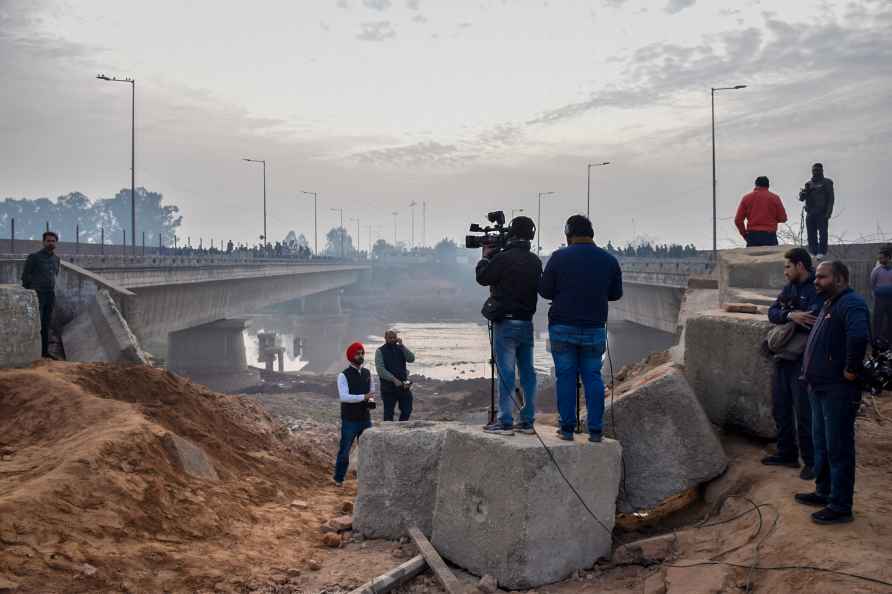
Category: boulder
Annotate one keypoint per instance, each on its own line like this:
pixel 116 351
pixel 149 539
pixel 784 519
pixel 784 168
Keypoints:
pixel 188 457
pixel 503 508
pixel 729 374
pixel 397 478
pixel 101 334
pixel 20 330
pixel 669 445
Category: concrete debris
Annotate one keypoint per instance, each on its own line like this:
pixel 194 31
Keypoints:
pixel 100 334
pixel 744 308
pixel 511 515
pixel 730 376
pixel 188 457
pixel 488 585
pixel 20 330
pixel 669 445
pixel 646 552
pixel 398 478
pixel 341 523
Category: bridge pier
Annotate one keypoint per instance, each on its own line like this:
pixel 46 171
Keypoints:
pixel 212 354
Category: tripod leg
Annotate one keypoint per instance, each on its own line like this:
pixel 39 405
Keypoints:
pixel 578 402
pixel 492 375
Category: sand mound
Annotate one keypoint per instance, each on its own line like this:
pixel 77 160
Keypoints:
pixel 91 500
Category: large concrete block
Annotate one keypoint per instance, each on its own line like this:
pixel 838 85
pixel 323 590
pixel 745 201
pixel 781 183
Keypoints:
pixel 503 508
pixel 101 334
pixel 668 442
pixel 188 457
pixel 730 376
pixel 20 326
pixel 397 475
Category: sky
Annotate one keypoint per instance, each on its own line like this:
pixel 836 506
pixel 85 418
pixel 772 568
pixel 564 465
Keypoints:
pixel 467 106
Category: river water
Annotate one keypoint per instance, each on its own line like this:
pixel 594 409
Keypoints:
pixel 444 350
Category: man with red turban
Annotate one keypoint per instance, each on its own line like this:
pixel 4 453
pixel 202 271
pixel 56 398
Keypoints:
pixel 356 392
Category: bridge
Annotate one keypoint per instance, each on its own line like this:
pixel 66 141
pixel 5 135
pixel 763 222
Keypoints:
pixel 190 307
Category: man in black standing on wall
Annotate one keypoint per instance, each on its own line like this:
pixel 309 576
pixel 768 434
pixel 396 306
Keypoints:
pixel 819 198
pixel 39 274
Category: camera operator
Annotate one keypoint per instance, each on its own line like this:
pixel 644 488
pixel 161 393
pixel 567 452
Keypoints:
pixel 390 363
pixel 580 280
pixel 796 305
pixel 512 275
pixel 834 356
pixel 819 198
pixel 356 391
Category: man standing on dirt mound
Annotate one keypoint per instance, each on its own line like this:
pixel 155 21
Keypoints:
pixel 357 395
pixel 834 356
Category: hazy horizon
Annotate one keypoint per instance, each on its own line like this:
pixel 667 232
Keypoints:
pixel 469 106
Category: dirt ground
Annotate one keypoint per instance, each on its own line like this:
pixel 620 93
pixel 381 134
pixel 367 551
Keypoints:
pixel 90 501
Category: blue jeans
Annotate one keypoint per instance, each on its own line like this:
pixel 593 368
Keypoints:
pixel 513 342
pixel 350 431
pixel 833 430
pixel 578 351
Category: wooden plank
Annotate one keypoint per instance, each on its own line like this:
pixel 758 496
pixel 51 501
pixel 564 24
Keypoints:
pixel 443 573
pixel 393 578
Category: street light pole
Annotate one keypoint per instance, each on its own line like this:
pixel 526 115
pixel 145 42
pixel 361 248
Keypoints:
pixel 538 223
pixel 315 221
pixel 588 187
pixel 356 220
pixel 263 161
pixel 132 83
pixel 412 211
pixel 714 214
pixel 341 229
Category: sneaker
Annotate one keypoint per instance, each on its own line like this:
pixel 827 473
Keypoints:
pixel 338 483
pixel 594 437
pixel 775 460
pixel 565 435
pixel 812 499
pixel 525 428
pixel 820 256
pixel 831 516
pixel 499 429
pixel 807 474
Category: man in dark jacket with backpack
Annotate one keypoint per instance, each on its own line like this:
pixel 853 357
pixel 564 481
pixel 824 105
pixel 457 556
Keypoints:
pixel 798 303
pixel 834 357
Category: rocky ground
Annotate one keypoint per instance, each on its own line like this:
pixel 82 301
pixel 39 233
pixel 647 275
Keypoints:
pixel 91 502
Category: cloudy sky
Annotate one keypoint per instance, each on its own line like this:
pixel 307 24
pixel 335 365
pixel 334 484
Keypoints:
pixel 468 105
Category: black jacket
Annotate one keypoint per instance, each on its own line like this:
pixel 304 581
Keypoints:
pixel 513 278
pixel 796 297
pixel 818 197
pixel 40 271
pixel 838 341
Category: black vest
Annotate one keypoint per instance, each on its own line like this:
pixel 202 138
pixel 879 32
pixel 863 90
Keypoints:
pixel 358 382
pixel 395 362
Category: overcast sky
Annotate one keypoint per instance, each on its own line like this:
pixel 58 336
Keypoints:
pixel 468 105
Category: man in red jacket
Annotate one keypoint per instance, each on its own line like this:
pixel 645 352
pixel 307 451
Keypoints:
pixel 758 215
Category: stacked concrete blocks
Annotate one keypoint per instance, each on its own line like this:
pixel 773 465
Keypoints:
pixel 20 327
pixel 397 470
pixel 728 372
pixel 503 508
pixel 669 444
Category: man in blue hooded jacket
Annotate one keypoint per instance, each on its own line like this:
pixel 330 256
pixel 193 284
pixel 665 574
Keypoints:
pixel 834 356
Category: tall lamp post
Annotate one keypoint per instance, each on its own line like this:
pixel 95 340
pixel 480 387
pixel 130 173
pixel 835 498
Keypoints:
pixel 412 210
pixel 315 220
pixel 132 83
pixel 341 229
pixel 356 243
pixel 714 229
pixel 538 223
pixel 588 187
pixel 265 237
pixel 394 213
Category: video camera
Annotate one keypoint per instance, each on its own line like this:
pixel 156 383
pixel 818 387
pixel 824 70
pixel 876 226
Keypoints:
pixel 876 375
pixel 493 236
